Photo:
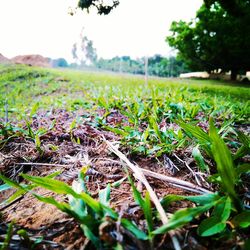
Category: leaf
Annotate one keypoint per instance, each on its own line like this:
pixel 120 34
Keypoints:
pixel 243 168
pixel 195 131
pixel 198 199
pixel 10 182
pixel 34 109
pixel 104 195
pixel 50 184
pixel 91 236
pixel 182 217
pixel 245 148
pixel 37 141
pixel 22 189
pixel 133 229
pixel 242 220
pixel 199 159
pixel 72 125
pixel 168 199
pixel 116 130
pixel 148 212
pixel 211 226
pixel 8 236
pixel 64 207
pixel 157 131
pixel 204 199
pixel 62 188
pixel 137 196
pixel 224 163
pixel 144 204
pixel 202 137
pixel 119 182
pixel 222 209
pixel 16 195
pixel 77 205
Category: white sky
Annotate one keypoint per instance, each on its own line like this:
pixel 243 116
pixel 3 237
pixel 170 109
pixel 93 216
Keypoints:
pixel 135 28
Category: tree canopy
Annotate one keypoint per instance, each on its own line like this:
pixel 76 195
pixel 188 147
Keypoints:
pixel 215 39
pixel 235 7
pixel 100 5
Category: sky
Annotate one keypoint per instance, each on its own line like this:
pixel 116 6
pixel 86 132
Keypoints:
pixel 136 28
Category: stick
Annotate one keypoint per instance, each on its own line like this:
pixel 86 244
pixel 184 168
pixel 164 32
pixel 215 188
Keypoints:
pixel 175 181
pixel 140 175
pixel 42 164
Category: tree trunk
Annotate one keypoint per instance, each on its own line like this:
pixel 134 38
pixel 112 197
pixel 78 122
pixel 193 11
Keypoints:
pixel 234 73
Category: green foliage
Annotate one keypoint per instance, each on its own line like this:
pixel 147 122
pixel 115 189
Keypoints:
pixel 101 7
pixel 145 205
pixel 157 65
pixel 226 204
pixel 149 120
pixel 5 244
pixel 81 206
pixel 206 43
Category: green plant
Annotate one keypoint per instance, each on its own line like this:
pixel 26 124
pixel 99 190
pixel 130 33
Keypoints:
pixel 228 209
pixel 91 214
pixel 5 244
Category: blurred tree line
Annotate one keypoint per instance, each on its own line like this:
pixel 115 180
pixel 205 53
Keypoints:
pixel 85 56
pixel 216 40
pixel 157 65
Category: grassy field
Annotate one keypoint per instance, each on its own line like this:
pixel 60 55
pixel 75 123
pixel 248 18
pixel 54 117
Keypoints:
pixel 196 131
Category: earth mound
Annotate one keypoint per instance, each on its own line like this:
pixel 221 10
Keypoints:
pixel 32 60
pixel 4 59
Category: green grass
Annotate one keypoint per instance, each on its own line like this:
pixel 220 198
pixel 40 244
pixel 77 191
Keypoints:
pixel 145 109
pixel 151 119
pixel 24 87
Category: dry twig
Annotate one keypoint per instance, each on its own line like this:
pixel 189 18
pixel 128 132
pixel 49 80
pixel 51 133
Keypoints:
pixel 138 173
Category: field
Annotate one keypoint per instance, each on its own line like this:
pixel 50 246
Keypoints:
pixel 107 161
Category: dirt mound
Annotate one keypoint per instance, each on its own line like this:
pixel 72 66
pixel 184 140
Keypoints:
pixel 4 59
pixel 32 60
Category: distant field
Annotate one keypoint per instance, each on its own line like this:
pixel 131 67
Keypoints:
pixel 26 88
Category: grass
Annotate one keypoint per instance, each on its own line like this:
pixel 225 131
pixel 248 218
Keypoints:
pixel 25 88
pixel 152 120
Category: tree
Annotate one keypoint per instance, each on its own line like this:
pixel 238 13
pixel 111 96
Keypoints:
pixel 100 5
pixel 234 7
pixel 216 39
pixel 59 62
pixel 84 52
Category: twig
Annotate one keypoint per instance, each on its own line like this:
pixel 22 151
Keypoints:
pixel 175 181
pixel 42 164
pixel 140 175
pixel 190 169
pixel 11 203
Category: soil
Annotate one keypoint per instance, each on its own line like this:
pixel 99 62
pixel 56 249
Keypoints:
pixel 61 152
pixel 32 60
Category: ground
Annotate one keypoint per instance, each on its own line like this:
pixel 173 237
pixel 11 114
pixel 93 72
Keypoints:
pixel 61 121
